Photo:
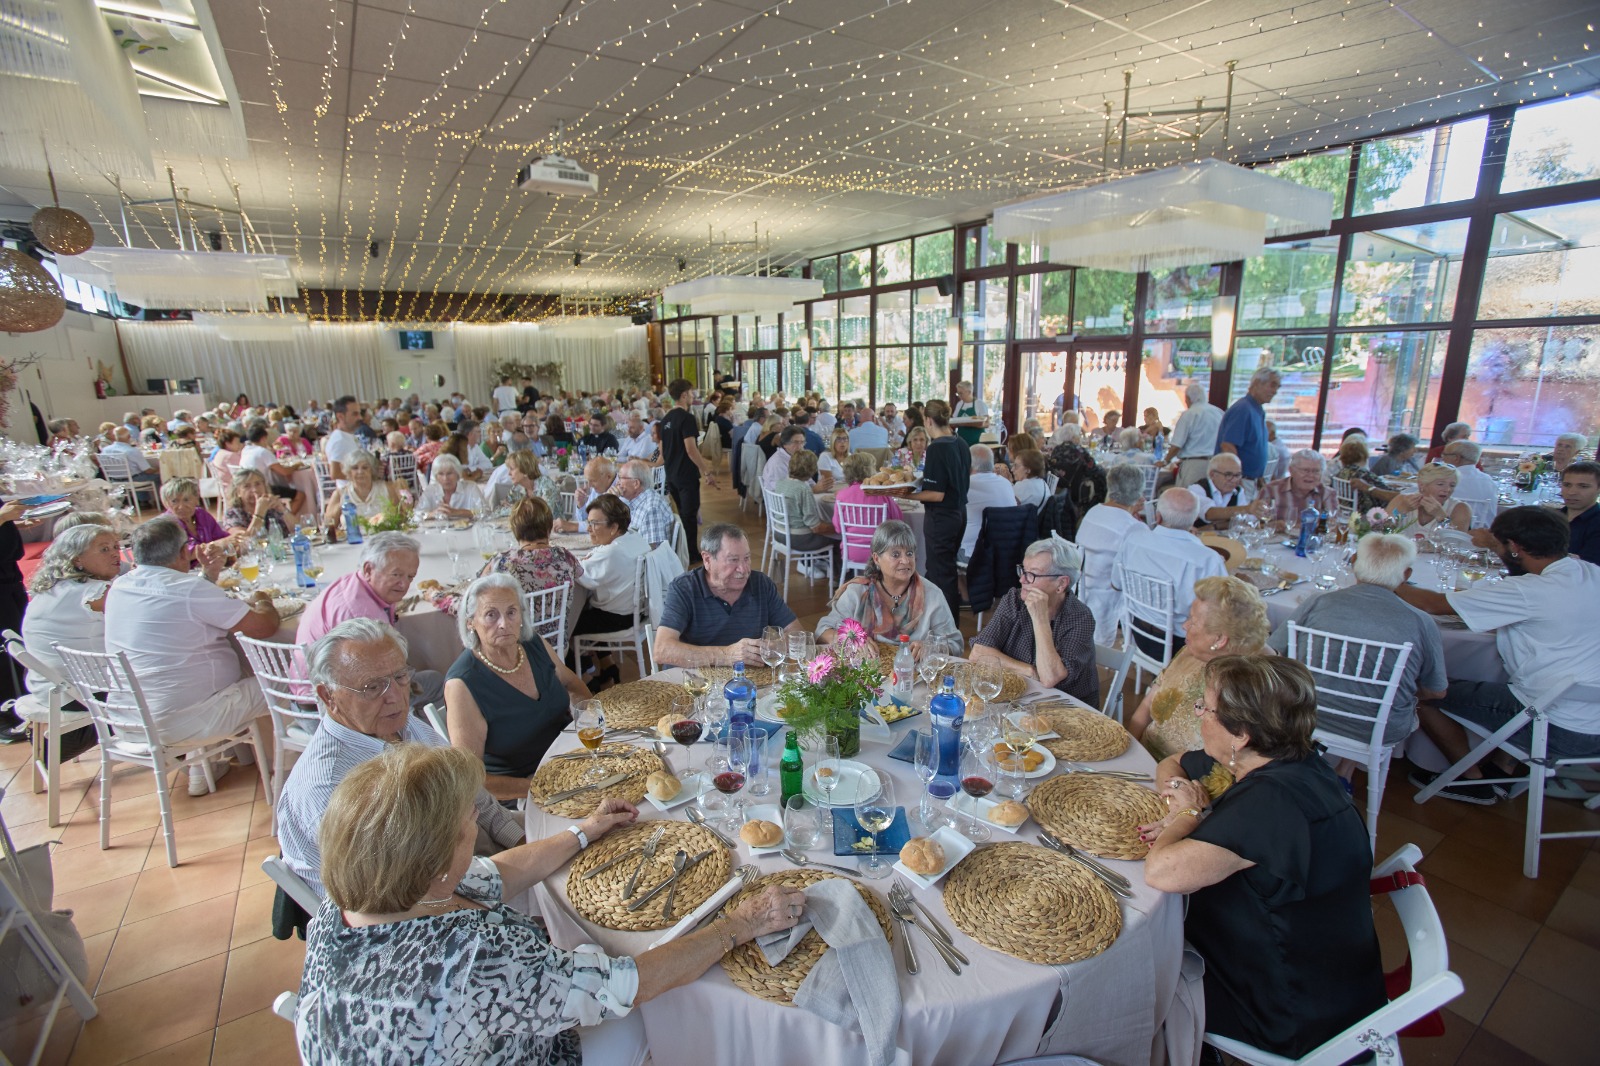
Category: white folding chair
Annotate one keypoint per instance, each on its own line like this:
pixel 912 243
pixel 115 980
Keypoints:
pixel 680 542
pixel 1118 661
pixel 547 613
pixel 285 1005
pixel 403 468
pixel 650 647
pixel 1151 473
pixel 1537 757
pixel 295 888
pixel 1364 675
pixel 48 720
pixel 128 734
pixel 119 471
pixel 568 504
pixel 281 672
pixel 1347 497
pixel 223 476
pixel 325 483
pixel 436 718
pixel 620 640
pixel 658 479
pixel 1432 983
pixel 781 533
pixel 857 522
pixel 1148 610
pixel 212 489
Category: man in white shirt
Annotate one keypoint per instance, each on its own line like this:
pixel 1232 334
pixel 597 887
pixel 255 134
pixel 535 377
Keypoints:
pixel 342 443
pixel 1194 436
pixel 600 477
pixel 1224 493
pixel 1101 534
pixel 1170 552
pixel 505 396
pixel 256 456
pixel 824 422
pixel 122 447
pixel 790 440
pixel 1473 487
pixel 986 489
pixel 636 442
pixel 868 433
pixel 174 626
pixel 1540 640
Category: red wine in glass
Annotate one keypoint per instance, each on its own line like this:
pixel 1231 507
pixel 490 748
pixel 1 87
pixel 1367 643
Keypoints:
pixel 976 787
pixel 687 731
pixel 728 782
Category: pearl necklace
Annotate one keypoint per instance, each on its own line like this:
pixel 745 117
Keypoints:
pixel 521 655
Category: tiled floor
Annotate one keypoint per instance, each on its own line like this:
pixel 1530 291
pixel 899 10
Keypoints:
pixel 184 968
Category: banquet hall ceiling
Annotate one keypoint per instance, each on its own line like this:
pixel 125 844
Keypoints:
pixel 820 124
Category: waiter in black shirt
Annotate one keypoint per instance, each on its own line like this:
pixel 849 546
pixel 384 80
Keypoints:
pixel 946 471
pixel 13 602
pixel 685 466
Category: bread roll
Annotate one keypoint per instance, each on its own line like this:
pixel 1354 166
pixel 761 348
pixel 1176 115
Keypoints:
pixel 761 834
pixel 1035 723
pixel 664 725
pixel 1009 813
pixel 922 855
pixel 663 786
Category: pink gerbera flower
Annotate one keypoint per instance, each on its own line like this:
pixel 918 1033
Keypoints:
pixel 817 670
pixel 852 631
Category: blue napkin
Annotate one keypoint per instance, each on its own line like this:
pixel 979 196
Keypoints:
pixel 906 750
pixel 846 831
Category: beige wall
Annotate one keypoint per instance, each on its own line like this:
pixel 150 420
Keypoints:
pixel 62 381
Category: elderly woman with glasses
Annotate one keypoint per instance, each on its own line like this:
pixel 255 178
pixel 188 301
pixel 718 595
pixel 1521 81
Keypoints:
pixel 449 494
pixel 1433 505
pixel 1274 859
pixel 1040 629
pixel 1228 617
pixel 363 488
pixel 507 697
pixel 891 600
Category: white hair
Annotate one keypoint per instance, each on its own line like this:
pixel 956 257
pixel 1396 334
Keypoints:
pixel 324 652
pixel 1383 558
pixel 1195 393
pixel 982 459
pixel 1071 433
pixel 444 462
pixel 1266 375
pixel 380 546
pixel 1130 439
pixel 1577 440
pixel 1065 556
pixel 1222 459
pixel 469 606
pixel 1456 431
pixel 1178 508
pixel 1469 452
pixel 1124 484
pixel 1306 455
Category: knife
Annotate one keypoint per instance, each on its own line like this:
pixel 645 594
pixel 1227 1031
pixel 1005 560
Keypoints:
pixel 1113 880
pixel 569 793
pixel 654 892
pixel 598 754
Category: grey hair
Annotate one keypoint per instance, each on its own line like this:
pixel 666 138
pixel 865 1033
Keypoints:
pixel 59 561
pixel 1469 452
pixel 637 469
pixel 715 535
pixel 1124 484
pixel 159 541
pixel 1130 439
pixel 892 533
pixel 1306 455
pixel 1456 431
pixel 80 518
pixel 362 457
pixel 982 459
pixel 380 546
pixel 1222 459
pixel 323 653
pixel 1196 393
pixel 178 487
pixel 1266 375
pixel 963 384
pixel 1383 558
pixel 444 462
pixel 1071 433
pixel 1178 508
pixel 1065 556
pixel 1576 439
pixel 469 606
pixel 1401 441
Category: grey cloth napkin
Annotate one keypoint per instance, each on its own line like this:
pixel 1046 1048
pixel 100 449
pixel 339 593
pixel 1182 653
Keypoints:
pixel 853 985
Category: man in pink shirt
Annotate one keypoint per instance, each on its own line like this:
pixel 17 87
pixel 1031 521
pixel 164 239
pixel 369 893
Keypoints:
pixel 389 564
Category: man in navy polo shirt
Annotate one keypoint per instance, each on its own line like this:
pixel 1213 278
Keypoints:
pixel 1244 426
pixel 714 615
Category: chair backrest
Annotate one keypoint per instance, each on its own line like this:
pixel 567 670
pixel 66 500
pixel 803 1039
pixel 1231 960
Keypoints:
pixel 122 710
pixel 403 467
pixel 115 467
pixel 224 475
pixel 295 888
pixel 1118 661
pixel 280 670
pixel 662 566
pixel 1004 535
pixel 568 503
pixel 436 718
pixel 859 521
pixel 18 650
pixel 649 648
pixel 1361 675
pixel 1346 493
pixel 658 479
pixel 777 516
pixel 1151 472
pixel 547 610
pixel 1148 610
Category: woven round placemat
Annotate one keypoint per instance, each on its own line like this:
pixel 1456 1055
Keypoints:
pixel 778 984
pixel 760 676
pixel 1085 735
pixel 638 704
pixel 1012 686
pixel 1102 815
pixel 558 775
pixel 1031 903
pixel 599 899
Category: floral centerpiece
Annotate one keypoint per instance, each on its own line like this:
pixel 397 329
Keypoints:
pixel 1373 520
pixel 832 689
pixel 1530 469
pixel 563 458
pixel 395 517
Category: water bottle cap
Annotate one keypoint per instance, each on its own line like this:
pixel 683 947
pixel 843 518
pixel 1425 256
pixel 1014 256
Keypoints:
pixel 904 639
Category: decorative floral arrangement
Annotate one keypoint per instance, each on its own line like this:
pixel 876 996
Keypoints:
pixel 1530 470
pixel 1375 520
pixel 395 517
pixel 846 676
pixel 562 459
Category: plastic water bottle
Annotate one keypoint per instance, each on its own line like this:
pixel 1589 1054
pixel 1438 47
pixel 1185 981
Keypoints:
pixel 905 672
pixel 1308 529
pixel 947 711
pixel 741 697
pixel 302 559
pixel 352 525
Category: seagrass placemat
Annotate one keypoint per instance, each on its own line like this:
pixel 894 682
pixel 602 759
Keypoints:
pixel 1086 736
pixel 1102 815
pixel 599 899
pixel 558 775
pixel 638 704
pixel 1012 686
pixel 1032 904
pixel 778 984
pixel 760 676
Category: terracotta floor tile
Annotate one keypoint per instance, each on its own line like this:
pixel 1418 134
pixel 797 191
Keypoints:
pixel 257 973
pixel 1483 979
pixel 1395 830
pixel 163 888
pixel 257 849
pixel 1499 878
pixel 23 805
pixel 1543 1024
pixel 127 815
pixel 98 948
pixel 127 780
pixel 195 1051
pixel 1587 876
pixel 152 1014
pixel 259 1039
pixel 204 834
pixel 13 755
pixel 260 819
pixel 1481 926
pixel 1563 965
pixel 28 834
pixel 1486 1049
pixel 98 908
pixel 88 865
pixel 1439 1050
pixel 252 914
pixel 169 941
pixel 1577 914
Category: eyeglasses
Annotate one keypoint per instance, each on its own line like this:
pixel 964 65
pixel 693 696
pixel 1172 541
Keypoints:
pixel 1201 710
pixel 1028 577
pixel 379 687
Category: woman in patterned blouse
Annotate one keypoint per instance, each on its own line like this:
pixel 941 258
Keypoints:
pixel 410 912
pixel 533 562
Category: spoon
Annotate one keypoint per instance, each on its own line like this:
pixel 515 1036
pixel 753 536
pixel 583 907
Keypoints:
pixel 678 862
pixel 698 818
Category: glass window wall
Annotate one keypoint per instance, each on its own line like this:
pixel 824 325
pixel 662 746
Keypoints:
pixel 1543 263
pixel 1527 386
pixel 1403 275
pixel 1435 166
pixel 1554 144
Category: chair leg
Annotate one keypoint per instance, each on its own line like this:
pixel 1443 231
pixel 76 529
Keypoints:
pixel 164 796
pixel 1530 845
pixel 53 773
pixel 105 795
pixel 36 745
pixel 261 758
pixel 279 757
pixel 1377 779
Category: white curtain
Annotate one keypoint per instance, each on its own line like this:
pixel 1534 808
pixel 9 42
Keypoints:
pixel 588 355
pixel 322 361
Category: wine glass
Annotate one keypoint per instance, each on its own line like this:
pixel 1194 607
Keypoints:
pixel 827 774
pixel 1474 568
pixel 455 545
pixel 686 729
pixel 987 682
pixel 797 645
pixel 875 813
pixel 249 569
pixel 591 720
pixel 695 681
pixel 772 647
pixel 730 781
pixel 963 676
pixel 925 760
pixel 977 781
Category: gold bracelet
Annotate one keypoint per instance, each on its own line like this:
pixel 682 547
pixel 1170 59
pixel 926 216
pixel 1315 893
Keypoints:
pixel 733 941
pixel 1193 812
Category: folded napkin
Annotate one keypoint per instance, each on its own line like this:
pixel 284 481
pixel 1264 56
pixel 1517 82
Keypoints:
pixel 853 985
pixel 717 899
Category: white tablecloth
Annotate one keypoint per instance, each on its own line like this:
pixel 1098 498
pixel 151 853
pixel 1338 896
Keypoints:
pixel 1111 1008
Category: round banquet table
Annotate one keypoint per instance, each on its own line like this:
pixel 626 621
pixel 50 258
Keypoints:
pixel 1114 1008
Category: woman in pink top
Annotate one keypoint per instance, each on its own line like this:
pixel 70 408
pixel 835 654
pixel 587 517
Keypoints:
pixel 859 466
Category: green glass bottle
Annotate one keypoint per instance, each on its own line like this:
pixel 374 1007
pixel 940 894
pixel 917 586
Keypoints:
pixel 789 769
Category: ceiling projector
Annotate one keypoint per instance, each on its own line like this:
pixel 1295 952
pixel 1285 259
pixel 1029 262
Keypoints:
pixel 557 176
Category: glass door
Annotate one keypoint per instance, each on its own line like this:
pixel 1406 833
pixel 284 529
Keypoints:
pixel 1087 376
pixel 758 372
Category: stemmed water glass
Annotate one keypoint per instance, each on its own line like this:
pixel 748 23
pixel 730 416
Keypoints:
pixel 797 645
pixel 875 813
pixel 987 683
pixel 925 760
pixel 827 774
pixel 591 721
pixel 772 648
pixel 977 781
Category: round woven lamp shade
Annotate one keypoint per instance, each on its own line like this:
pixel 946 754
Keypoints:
pixel 30 299
pixel 63 232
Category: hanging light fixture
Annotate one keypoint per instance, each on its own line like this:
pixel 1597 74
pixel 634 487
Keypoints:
pixel 1223 309
pixel 201 281
pixel 742 295
pixel 30 299
pixel 1196 213
pixel 63 232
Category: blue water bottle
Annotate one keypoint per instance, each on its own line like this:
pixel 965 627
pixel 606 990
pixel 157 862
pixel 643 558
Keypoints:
pixel 352 525
pixel 302 559
pixel 741 697
pixel 1308 529
pixel 947 711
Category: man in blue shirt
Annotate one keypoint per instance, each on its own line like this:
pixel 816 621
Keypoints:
pixel 715 614
pixel 802 417
pixel 1244 427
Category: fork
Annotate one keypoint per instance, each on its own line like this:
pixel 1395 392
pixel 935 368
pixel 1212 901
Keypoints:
pixel 644 860
pixel 900 907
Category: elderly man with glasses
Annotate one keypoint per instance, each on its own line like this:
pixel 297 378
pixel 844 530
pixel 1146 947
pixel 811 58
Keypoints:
pixel 1287 497
pixel 1040 629
pixel 1224 494
pixel 652 518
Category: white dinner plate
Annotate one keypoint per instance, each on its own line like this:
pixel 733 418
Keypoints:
pixel 1043 768
pixel 1015 716
pixel 848 791
pixel 956 847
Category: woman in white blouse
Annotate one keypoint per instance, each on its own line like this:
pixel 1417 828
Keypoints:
pixel 611 569
pixel 363 489
pixel 68 596
pixel 832 460
pixel 448 494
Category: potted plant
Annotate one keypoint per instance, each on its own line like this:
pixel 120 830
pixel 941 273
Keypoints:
pixel 833 688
